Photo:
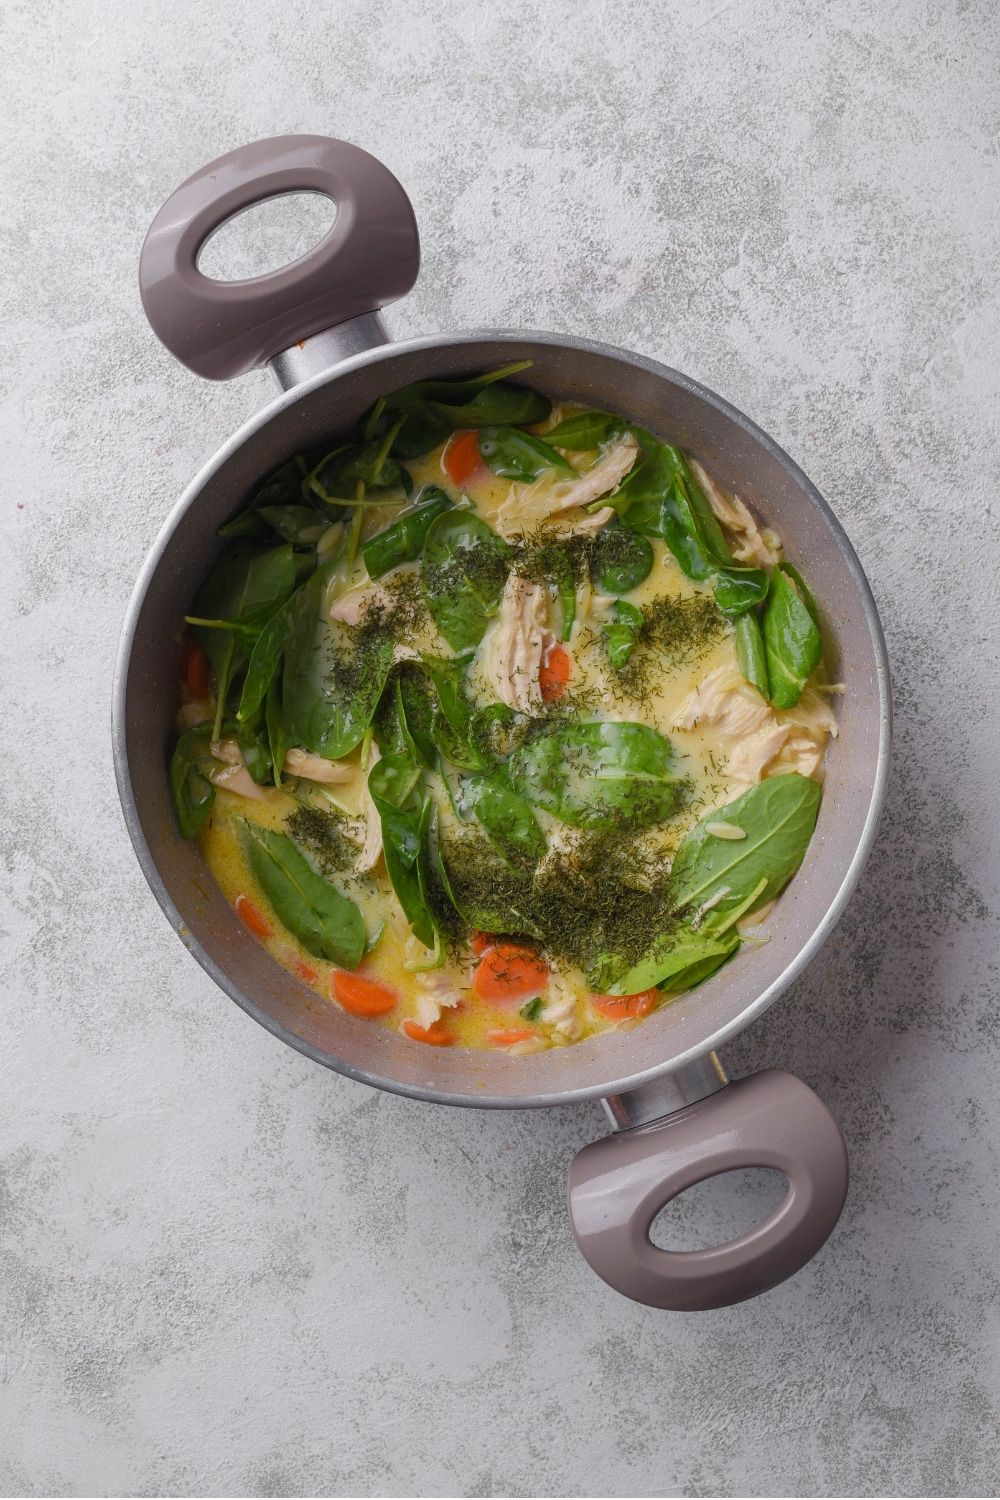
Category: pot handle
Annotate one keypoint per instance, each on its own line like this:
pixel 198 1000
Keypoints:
pixel 370 256
pixel 618 1185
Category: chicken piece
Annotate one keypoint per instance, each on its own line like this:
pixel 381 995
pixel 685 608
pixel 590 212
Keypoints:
pixel 762 549
pixel 606 475
pixel 581 524
pixel 560 1009
pixel 751 754
pixel 353 607
pixel 438 992
pixel 198 711
pixel 813 714
pixel 803 754
pixel 316 767
pixel 725 701
pixel 548 498
pixel 238 779
pixel 371 851
pixel 513 649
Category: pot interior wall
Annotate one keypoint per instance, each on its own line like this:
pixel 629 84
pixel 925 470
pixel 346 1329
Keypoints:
pixel 738 455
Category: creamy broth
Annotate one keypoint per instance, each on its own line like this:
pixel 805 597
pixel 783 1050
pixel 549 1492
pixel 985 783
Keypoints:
pixel 683 681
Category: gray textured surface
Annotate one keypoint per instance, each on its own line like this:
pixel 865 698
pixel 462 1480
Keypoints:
pixel 224 1270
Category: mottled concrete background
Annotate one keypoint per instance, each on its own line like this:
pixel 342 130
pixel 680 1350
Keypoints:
pixel 227 1271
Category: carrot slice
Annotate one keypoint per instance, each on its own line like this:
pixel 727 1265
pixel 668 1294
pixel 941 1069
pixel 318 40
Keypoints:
pixel 199 673
pixel 434 1036
pixel 305 971
pixel 510 1036
pixel 554 674
pixel 625 1007
pixel 482 942
pixel 362 997
pixel 251 918
pixel 462 457
pixel 508 973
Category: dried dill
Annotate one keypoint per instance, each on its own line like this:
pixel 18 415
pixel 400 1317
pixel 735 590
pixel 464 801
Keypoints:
pixel 674 632
pixel 323 835
pixel 384 625
pixel 597 905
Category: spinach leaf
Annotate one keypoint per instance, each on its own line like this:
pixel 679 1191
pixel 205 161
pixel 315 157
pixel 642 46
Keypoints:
pixel 255 748
pixel 585 430
pixel 265 662
pixel 619 559
pixel 403 541
pixel 496 731
pixel 278 740
pixel 518 455
pixel 452 724
pixel 193 794
pixel 326 923
pixel 678 961
pixel 334 673
pixel 510 825
pixel 298 524
pixel 778 816
pixel 808 598
pixel 337 476
pixel 557 560
pixel 283 488
pixel 662 498
pixel 623 632
pixel 791 641
pixel 750 652
pixel 464 571
pixel 246 587
pixel 415 705
pixel 431 410
pixel 393 783
pixel 405 812
pixel 600 775
pixel 739 589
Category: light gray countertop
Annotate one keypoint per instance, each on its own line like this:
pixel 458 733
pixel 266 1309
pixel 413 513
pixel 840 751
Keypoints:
pixel 225 1270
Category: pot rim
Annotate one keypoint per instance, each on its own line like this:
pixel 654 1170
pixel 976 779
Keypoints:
pixel 835 906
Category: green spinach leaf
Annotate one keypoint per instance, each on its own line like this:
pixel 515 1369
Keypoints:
pixel 464 571
pixel 193 794
pixel 750 652
pixel 415 705
pixel 298 524
pixel 508 821
pixel 405 812
pixel 403 541
pixel 739 589
pixel 623 632
pixel 334 673
pixel 255 748
pixel 325 922
pixel 518 455
pixel 619 559
pixel 679 961
pixel 778 817
pixel 585 430
pixel 600 775
pixel 337 476
pixel 792 641
pixel 278 740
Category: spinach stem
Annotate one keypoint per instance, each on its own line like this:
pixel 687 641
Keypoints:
pixel 357 521
pixel 222 689
pixel 372 422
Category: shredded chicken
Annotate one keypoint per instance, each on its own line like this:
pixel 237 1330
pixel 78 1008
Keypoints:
pixel 438 992
pixel 750 755
pixel 351 608
pixel 560 1008
pixel 238 779
pixel 371 852
pixel 761 548
pixel 316 767
pixel 548 499
pixel 198 711
pixel 513 650
pixel 765 742
pixel 581 524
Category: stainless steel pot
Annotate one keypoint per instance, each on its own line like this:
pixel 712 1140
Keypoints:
pixel 675 1121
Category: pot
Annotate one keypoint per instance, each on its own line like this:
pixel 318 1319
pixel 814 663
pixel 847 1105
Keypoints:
pixel 675 1119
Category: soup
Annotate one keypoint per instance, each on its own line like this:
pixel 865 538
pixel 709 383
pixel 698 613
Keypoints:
pixel 502 724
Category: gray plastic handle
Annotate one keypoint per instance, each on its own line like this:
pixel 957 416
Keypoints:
pixel 370 256
pixel 618 1185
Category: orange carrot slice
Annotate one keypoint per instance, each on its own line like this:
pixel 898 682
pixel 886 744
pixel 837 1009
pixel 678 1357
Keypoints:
pixel 625 1007
pixel 509 974
pixel 554 674
pixel 434 1036
pixel 305 971
pixel 510 1036
pixel 462 457
pixel 251 918
pixel 199 673
pixel 362 997
pixel 482 942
